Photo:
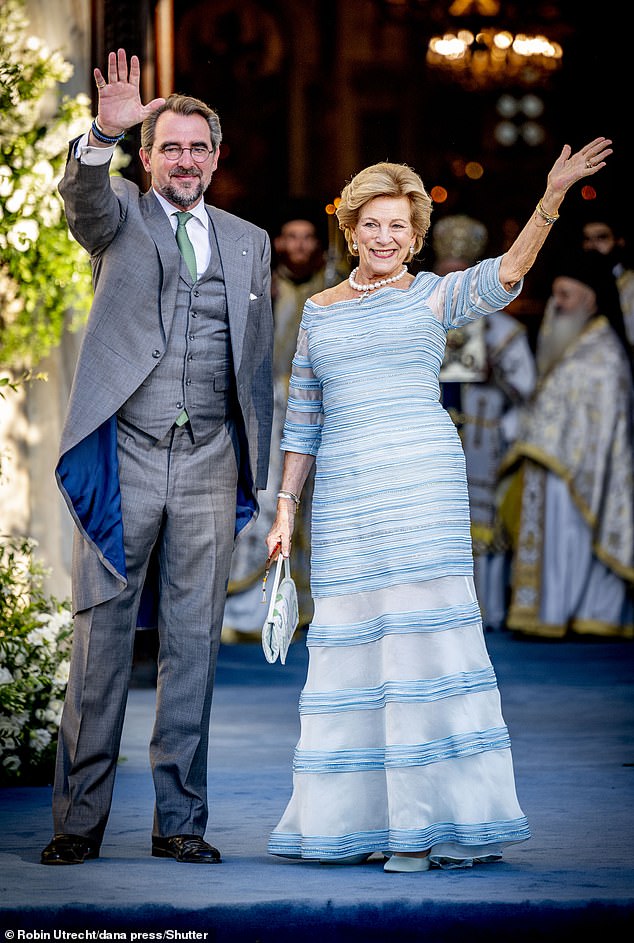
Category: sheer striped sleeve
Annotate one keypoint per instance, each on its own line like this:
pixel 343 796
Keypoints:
pixel 304 413
pixel 461 297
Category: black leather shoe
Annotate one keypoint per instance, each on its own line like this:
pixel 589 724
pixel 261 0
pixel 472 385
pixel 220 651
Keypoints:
pixel 69 849
pixel 190 848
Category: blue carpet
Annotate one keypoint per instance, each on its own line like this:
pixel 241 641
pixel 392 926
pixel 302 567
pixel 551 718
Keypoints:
pixel 570 712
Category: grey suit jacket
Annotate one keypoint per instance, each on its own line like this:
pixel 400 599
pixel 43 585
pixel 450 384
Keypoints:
pixel 135 263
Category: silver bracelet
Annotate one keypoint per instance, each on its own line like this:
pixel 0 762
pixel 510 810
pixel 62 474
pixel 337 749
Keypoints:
pixel 289 495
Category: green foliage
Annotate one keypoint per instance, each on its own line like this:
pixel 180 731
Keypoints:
pixel 35 644
pixel 44 272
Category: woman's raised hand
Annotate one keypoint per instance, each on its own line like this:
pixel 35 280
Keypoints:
pixel 569 167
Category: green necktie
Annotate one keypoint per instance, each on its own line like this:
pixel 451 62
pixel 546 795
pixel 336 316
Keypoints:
pixel 184 244
pixel 187 251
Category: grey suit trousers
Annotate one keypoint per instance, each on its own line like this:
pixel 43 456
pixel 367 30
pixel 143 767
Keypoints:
pixel 178 500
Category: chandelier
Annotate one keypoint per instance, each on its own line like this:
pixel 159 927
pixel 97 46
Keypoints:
pixel 480 55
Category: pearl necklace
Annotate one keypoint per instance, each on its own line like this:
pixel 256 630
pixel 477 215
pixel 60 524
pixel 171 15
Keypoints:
pixel 374 285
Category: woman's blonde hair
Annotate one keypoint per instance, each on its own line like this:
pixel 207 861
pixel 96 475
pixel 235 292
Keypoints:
pixel 385 179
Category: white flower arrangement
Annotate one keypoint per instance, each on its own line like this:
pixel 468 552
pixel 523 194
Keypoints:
pixel 44 273
pixel 35 645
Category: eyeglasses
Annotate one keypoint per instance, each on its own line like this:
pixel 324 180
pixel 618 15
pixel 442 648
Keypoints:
pixel 199 152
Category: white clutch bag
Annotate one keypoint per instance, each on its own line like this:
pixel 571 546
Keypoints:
pixel 283 614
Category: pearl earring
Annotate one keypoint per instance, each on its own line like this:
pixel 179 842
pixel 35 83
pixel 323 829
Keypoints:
pixel 354 247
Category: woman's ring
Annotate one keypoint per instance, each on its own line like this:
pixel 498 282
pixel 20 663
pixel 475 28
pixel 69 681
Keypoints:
pixel 589 165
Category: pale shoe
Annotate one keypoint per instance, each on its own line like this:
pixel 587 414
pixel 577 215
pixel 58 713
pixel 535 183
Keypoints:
pixel 407 863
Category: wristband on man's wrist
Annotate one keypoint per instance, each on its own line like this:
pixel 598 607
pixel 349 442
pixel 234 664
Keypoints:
pixel 104 138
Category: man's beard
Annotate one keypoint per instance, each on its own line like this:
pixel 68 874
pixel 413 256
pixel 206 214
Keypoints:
pixel 183 197
pixel 558 333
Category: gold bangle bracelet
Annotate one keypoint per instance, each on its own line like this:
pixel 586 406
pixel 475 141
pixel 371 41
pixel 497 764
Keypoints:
pixel 546 216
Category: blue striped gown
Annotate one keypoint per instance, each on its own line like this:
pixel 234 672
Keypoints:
pixel 403 746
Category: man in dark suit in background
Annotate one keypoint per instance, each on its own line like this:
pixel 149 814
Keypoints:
pixel 164 449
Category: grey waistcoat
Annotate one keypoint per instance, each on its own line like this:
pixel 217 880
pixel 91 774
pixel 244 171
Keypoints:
pixel 196 371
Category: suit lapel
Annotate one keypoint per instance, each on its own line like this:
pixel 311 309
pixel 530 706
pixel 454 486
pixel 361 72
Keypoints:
pixel 235 257
pixel 235 251
pixel 161 231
